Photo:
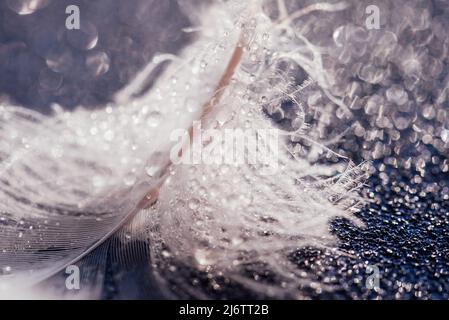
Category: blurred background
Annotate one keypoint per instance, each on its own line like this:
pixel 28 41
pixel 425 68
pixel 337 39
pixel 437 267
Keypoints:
pixel 42 62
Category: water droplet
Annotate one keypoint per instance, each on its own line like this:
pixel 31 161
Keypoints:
pixel 59 59
pixel 339 36
pixel 194 204
pixel 232 201
pixel 224 169
pixel 236 241
pixel 49 80
pixel 98 63
pixel 401 122
pixel 151 171
pixel 7 270
pixel 24 7
pixel 203 258
pixel 397 94
pixel 166 254
pixel 93 131
pixel 97 181
pixel 130 179
pixel 155 164
pixel 371 74
pixel 191 105
pixel 109 135
pixel 85 38
pixel 172 268
pixel 154 119
pixel 445 135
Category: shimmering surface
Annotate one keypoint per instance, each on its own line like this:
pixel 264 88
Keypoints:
pixel 406 237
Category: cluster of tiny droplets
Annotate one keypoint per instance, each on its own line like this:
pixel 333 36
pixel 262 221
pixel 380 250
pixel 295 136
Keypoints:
pixel 42 62
pixel 393 80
